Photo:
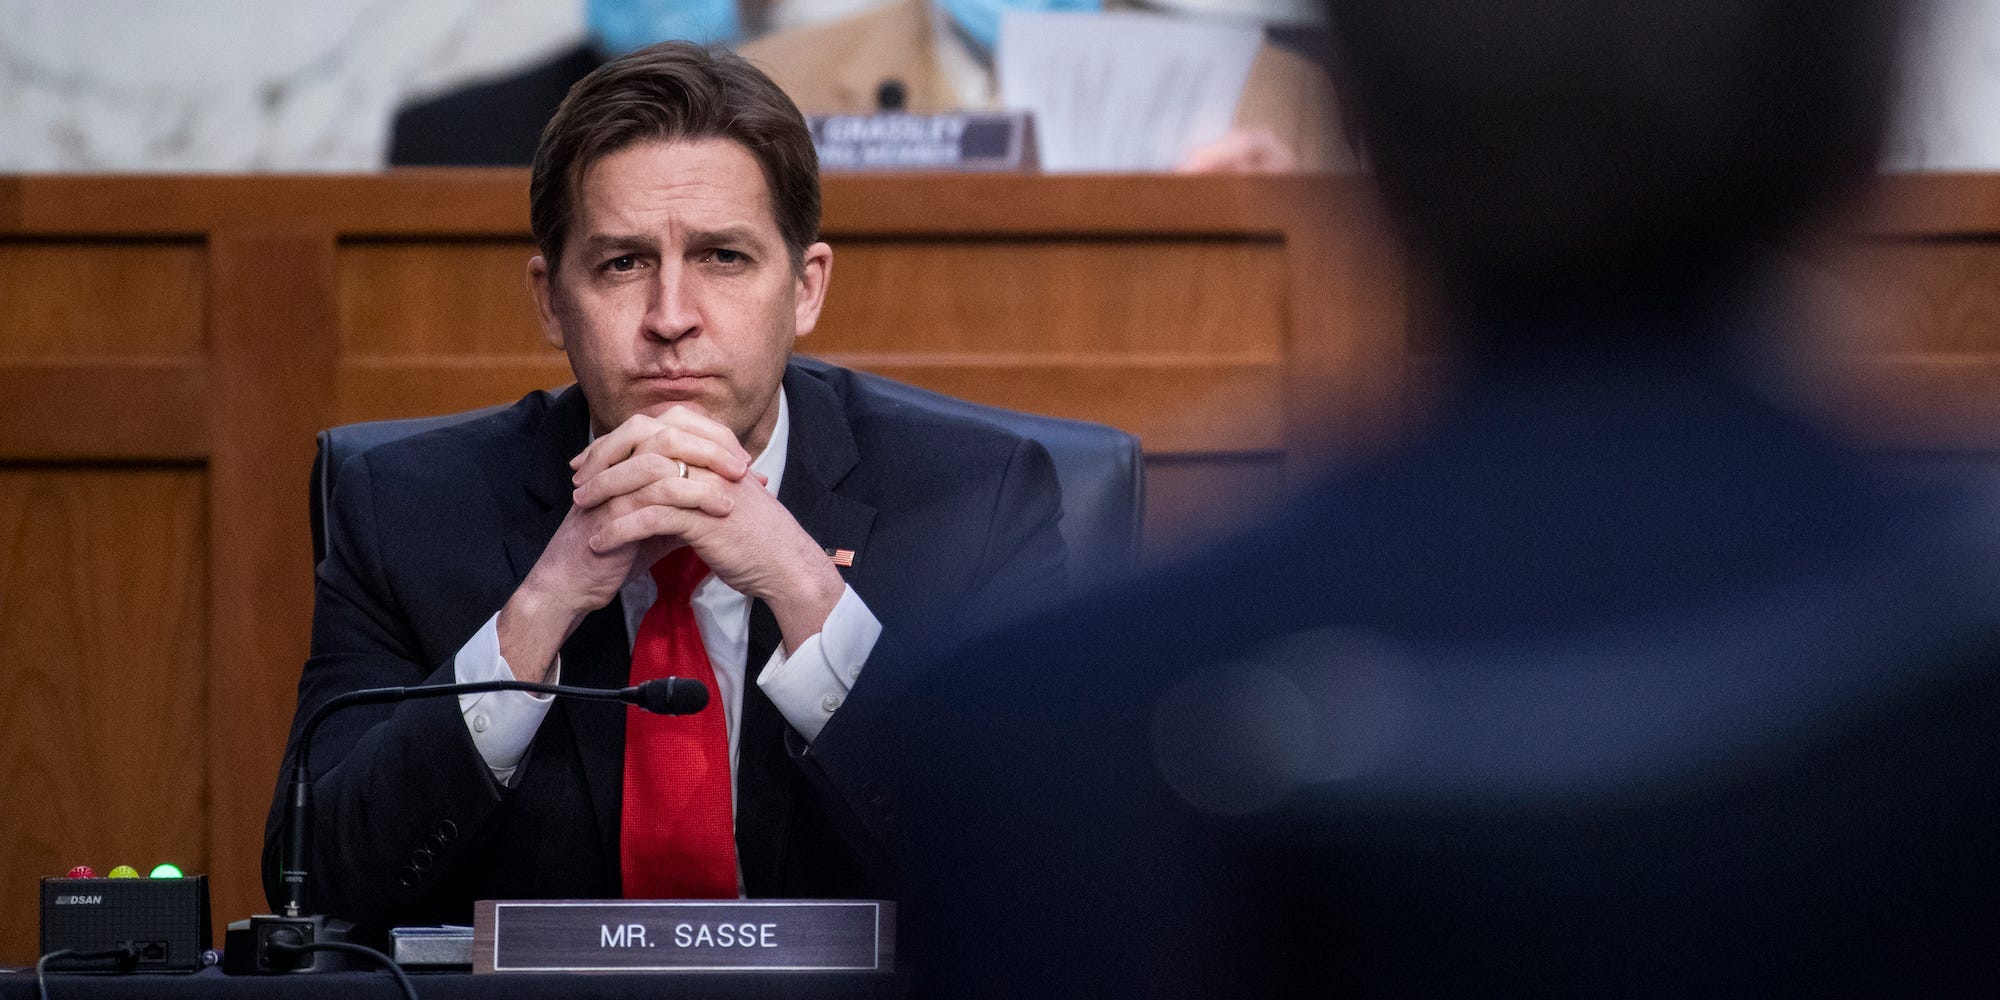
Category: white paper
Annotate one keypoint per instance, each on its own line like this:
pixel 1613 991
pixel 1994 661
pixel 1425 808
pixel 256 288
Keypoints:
pixel 1123 91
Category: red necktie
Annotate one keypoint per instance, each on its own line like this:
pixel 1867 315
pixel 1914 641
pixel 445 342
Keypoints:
pixel 677 832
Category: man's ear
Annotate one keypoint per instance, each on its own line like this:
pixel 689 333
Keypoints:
pixel 541 285
pixel 809 288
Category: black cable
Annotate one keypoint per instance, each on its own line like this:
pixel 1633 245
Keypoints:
pixel 402 978
pixel 124 953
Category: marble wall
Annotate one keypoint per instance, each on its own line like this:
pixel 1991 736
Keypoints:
pixel 242 85
pixel 309 85
pixel 1951 103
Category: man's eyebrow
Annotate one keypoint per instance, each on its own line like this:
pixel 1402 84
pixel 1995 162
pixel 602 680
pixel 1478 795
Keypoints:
pixel 740 235
pixel 602 243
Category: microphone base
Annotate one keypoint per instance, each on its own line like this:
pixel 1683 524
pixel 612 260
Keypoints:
pixel 247 947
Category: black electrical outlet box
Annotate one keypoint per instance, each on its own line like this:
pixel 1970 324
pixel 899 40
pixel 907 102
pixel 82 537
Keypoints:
pixel 163 920
pixel 247 950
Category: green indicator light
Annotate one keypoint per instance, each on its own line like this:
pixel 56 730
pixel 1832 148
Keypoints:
pixel 165 871
pixel 124 871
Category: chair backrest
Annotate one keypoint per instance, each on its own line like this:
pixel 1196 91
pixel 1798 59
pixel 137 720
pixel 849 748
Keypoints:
pixel 338 444
pixel 1099 467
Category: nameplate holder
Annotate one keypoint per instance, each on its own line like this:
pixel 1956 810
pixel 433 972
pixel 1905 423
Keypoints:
pixel 895 141
pixel 693 935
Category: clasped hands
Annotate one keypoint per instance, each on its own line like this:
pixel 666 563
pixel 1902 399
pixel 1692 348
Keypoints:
pixel 633 505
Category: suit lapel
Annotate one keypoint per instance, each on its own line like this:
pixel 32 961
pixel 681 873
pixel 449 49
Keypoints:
pixel 821 453
pixel 598 654
pixel 544 470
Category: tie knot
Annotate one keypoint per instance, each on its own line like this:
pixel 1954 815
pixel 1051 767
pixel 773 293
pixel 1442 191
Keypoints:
pixel 678 573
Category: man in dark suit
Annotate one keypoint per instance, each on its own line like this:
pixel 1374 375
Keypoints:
pixel 1617 675
pixel 696 505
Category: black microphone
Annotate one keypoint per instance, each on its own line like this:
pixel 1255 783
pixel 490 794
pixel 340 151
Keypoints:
pixel 891 96
pixel 662 696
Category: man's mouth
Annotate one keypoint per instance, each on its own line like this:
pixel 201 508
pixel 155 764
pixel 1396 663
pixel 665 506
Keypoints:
pixel 674 382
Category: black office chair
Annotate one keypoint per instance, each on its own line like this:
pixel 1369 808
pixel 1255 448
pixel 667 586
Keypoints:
pixel 1103 480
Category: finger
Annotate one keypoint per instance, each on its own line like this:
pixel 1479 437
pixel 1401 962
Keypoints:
pixel 1255 149
pixel 635 474
pixel 612 448
pixel 707 496
pixel 651 521
pixel 695 422
pixel 710 496
pixel 680 433
pixel 701 447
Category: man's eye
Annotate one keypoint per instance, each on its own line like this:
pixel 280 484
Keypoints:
pixel 621 264
pixel 726 256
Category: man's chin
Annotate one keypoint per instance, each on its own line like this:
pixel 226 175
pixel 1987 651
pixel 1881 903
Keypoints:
pixel 657 410
pixel 626 409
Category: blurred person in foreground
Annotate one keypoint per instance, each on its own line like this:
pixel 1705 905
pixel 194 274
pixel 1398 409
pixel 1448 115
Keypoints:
pixel 1615 675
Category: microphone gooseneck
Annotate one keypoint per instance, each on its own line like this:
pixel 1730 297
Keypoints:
pixel 662 696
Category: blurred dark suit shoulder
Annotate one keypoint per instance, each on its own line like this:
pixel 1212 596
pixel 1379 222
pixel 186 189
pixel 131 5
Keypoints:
pixel 1615 677
pixel 494 124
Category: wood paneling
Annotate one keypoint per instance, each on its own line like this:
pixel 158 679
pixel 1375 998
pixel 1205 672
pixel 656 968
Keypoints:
pixel 452 202
pixel 103 605
pixel 381 389
pixel 1143 296
pixel 1933 296
pixel 1179 404
pixel 273 331
pixel 1934 206
pixel 104 409
pixel 1347 352
pixel 100 299
pixel 988 205
pixel 437 299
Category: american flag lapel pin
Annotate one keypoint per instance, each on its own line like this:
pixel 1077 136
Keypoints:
pixel 841 557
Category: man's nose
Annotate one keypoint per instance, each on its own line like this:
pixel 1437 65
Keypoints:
pixel 674 310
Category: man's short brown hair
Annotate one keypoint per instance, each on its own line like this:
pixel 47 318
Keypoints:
pixel 669 92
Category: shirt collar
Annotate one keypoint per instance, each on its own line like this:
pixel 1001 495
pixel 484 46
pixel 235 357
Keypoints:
pixel 772 461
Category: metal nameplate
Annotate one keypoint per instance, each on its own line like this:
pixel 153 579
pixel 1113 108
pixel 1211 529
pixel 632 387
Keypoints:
pixel 739 935
pixel 964 141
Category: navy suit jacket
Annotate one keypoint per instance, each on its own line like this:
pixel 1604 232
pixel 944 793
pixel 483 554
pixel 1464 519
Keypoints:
pixel 951 521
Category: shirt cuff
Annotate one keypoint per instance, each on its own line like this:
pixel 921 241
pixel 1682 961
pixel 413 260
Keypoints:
pixel 810 685
pixel 502 723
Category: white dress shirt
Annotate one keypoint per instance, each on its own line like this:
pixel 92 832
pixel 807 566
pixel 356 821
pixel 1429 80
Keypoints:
pixel 807 686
